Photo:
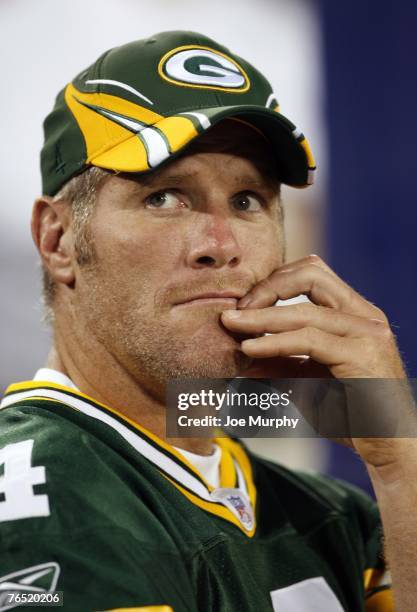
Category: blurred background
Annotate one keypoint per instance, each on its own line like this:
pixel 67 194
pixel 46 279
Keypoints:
pixel 344 72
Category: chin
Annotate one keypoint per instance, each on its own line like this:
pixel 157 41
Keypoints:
pixel 215 361
pixel 187 349
pixel 212 352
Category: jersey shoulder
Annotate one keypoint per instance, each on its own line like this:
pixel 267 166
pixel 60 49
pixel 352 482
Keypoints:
pixel 312 500
pixel 61 477
pixel 328 494
pixel 75 508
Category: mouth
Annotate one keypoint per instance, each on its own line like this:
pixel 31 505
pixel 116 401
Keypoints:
pixel 228 299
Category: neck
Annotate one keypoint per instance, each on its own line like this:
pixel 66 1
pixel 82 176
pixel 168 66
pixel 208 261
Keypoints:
pixel 106 380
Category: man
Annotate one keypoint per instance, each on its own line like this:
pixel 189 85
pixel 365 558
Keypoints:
pixel 161 239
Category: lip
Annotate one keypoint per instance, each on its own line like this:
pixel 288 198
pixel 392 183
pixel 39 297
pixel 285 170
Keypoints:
pixel 212 297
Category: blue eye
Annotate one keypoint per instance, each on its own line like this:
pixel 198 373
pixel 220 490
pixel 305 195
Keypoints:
pixel 164 199
pixel 247 202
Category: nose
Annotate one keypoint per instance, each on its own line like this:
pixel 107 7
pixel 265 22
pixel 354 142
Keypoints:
pixel 214 245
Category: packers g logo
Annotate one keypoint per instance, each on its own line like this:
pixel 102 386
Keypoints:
pixel 202 67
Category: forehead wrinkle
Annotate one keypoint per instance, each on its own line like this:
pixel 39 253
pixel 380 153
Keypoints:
pixel 247 179
pixel 260 175
pixel 147 180
pixel 177 178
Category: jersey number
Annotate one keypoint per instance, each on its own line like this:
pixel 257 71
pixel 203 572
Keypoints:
pixel 313 594
pixel 18 500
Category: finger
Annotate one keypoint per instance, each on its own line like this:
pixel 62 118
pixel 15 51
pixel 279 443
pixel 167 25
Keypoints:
pixel 286 318
pixel 322 288
pixel 285 367
pixel 322 347
pixel 309 259
pixel 275 367
pixel 287 267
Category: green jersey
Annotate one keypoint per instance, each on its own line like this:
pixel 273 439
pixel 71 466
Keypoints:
pixel 95 506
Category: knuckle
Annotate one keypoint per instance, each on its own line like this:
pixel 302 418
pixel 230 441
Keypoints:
pixel 313 258
pixel 313 267
pixel 317 262
pixel 377 313
pixel 380 314
pixel 382 329
pixel 300 309
pixel 310 334
pixel 303 311
pixel 315 271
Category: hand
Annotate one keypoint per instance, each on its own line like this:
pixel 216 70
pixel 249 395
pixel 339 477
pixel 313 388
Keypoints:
pixel 341 331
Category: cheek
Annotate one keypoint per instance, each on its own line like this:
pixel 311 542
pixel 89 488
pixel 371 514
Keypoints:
pixel 263 247
pixel 136 246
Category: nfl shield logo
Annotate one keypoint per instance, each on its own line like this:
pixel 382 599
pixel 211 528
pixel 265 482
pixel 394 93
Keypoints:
pixel 237 502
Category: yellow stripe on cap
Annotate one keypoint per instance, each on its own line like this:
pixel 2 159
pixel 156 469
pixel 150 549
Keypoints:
pixel 127 156
pixel 307 149
pixel 178 131
pixel 113 104
pixel 99 133
pixel 113 146
pixel 103 136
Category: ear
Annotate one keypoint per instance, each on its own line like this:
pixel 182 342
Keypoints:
pixel 52 234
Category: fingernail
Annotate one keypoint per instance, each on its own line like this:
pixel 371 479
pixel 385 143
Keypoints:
pixel 232 314
pixel 248 343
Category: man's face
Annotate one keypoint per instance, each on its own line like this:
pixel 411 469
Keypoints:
pixel 175 249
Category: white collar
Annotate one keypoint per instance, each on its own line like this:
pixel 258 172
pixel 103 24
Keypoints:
pixel 53 376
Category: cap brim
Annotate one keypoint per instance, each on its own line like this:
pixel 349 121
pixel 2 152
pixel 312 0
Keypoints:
pixel 164 140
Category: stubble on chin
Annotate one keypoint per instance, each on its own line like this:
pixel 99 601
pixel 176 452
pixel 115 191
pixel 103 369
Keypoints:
pixel 162 355
pixel 152 346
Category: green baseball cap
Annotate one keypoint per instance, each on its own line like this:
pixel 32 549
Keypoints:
pixel 140 105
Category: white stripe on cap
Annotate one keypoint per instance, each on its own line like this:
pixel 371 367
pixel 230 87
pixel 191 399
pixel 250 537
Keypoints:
pixel 271 97
pixel 121 85
pixel 202 119
pixel 156 146
pixel 310 177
